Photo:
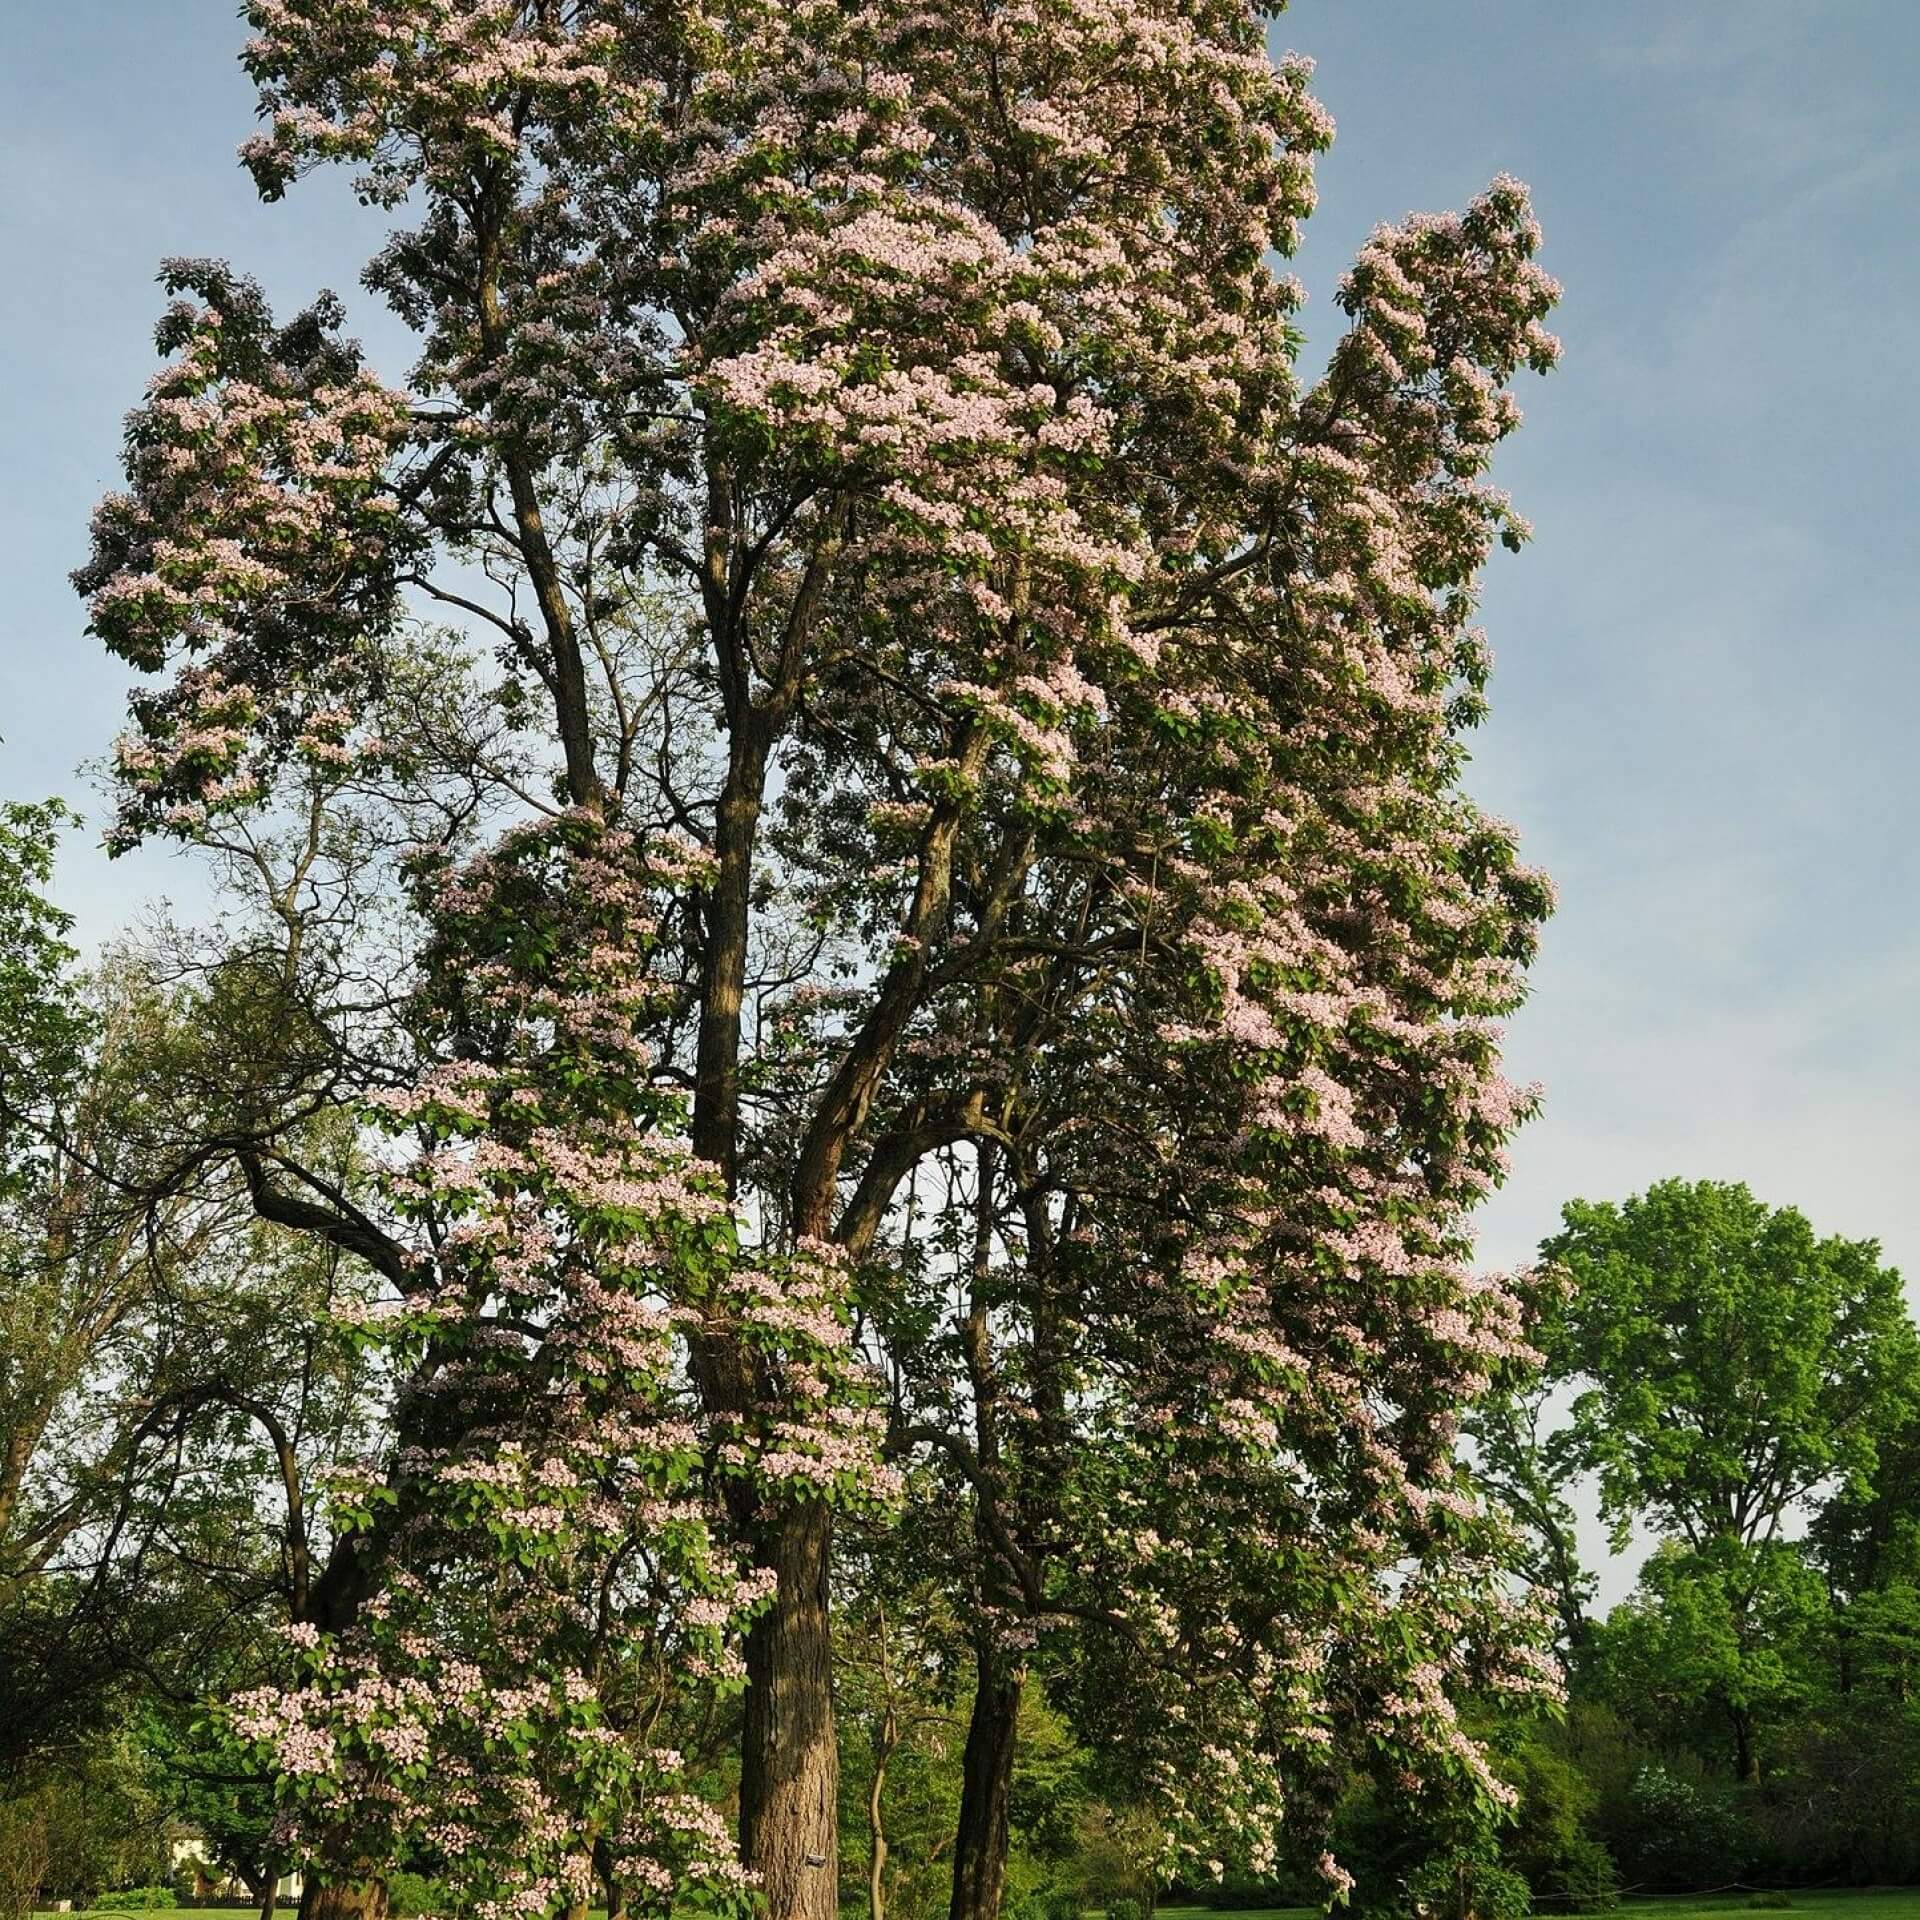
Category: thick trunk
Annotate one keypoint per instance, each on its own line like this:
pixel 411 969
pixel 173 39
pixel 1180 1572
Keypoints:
pixel 343 1900
pixel 790 1768
pixel 986 1794
pixel 789 1765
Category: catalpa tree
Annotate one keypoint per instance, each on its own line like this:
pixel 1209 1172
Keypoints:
pixel 1214 1345
pixel 927 688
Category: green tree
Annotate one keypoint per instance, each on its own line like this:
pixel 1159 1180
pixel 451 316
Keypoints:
pixel 1531 1464
pixel 1733 1363
pixel 169 1383
pixel 1733 1369
pixel 1716 1638
pixel 1550 1842
pixel 1856 1756
pixel 45 1025
pixel 1867 1541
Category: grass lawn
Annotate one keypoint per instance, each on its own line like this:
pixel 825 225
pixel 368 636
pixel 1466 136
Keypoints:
pixel 1831 1903
pixel 1842 1903
pixel 1846 1903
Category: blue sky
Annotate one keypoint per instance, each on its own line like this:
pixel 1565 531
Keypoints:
pixel 1708 679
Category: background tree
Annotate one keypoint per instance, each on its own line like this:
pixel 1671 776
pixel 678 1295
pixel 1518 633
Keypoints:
pixel 1732 1367
pixel 1529 1459
pixel 1731 1363
pixel 1719 1635
pixel 142 1309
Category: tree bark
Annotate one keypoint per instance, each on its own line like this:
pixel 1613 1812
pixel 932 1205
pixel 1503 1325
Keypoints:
pixel 789 1764
pixel 986 1790
pixel 986 1793
pixel 790 1767
pixel 877 1820
pixel 614 1888
pixel 343 1900
pixel 886 1737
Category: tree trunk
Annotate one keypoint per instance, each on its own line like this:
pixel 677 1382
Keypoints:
pixel 986 1790
pixel 613 1888
pixel 790 1768
pixel 1746 1762
pixel 876 1803
pixel 986 1793
pixel 343 1900
pixel 877 1834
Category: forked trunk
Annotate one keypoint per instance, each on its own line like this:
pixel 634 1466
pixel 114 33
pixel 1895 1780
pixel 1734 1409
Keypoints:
pixel 343 1900
pixel 790 1769
pixel 986 1794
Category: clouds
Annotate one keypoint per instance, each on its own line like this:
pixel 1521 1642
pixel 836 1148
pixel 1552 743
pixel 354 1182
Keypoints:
pixel 1708 662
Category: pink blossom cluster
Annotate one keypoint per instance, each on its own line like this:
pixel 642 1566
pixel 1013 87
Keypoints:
pixel 259 467
pixel 819 1429
pixel 556 1527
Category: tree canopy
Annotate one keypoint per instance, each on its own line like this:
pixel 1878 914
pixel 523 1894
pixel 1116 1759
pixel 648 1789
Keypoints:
pixel 848 801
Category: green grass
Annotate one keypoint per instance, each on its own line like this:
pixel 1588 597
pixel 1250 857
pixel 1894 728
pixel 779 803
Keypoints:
pixel 1828 1903
pixel 1834 1903
pixel 1837 1903
pixel 1225 1913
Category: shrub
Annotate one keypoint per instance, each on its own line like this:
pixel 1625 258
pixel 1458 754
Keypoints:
pixel 1771 1901
pixel 1125 1907
pixel 1468 1887
pixel 409 1894
pixel 1580 1878
pixel 1687 1834
pixel 23 1859
pixel 137 1900
pixel 1045 1903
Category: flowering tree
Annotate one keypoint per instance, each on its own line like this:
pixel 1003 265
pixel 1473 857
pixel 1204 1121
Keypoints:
pixel 952 694
pixel 1219 1328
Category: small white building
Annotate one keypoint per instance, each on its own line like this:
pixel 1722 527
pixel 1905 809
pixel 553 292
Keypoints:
pixel 192 1859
